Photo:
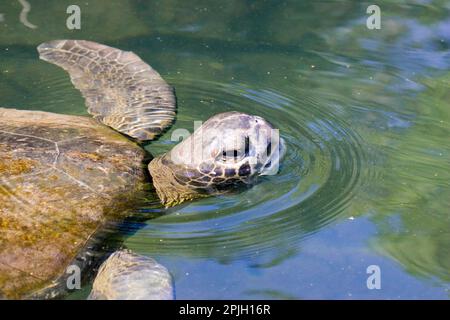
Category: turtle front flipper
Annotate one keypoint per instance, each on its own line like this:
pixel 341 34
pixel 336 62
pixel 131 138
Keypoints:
pixel 120 89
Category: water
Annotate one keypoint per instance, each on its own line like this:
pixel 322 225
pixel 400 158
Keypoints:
pixel 365 114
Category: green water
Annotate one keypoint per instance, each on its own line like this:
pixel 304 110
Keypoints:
pixel 365 114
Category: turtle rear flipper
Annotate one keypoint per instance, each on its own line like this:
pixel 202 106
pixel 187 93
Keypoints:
pixel 120 89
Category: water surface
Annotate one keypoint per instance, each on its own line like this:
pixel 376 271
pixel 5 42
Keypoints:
pixel 365 114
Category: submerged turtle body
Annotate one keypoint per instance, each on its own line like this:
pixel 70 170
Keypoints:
pixel 61 178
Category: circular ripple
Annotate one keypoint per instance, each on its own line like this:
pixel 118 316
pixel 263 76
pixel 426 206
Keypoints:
pixel 316 181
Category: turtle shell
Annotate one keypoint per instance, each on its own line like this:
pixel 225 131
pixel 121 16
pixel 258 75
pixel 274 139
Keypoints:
pixel 61 178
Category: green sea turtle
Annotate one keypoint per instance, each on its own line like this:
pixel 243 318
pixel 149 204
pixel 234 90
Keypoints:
pixel 64 178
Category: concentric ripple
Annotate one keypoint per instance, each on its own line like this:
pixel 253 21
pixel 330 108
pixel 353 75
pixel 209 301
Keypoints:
pixel 317 180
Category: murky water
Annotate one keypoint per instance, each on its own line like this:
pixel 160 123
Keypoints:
pixel 365 114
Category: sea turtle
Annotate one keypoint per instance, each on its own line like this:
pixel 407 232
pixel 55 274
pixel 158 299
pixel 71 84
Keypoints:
pixel 64 178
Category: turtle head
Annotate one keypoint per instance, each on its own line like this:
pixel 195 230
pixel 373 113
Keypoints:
pixel 229 150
